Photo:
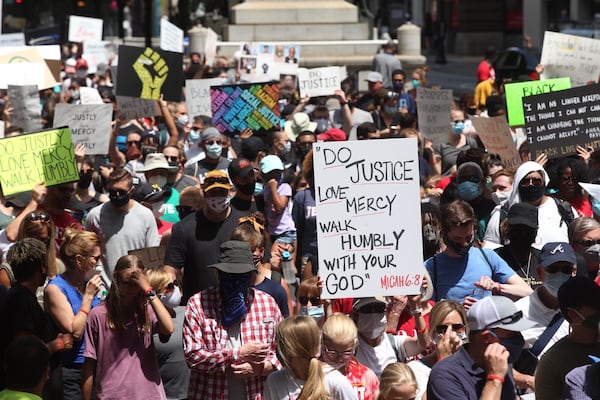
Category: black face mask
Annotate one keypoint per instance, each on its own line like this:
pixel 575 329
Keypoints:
pixel 247 189
pixel 457 248
pixel 303 151
pixel 118 200
pixel 521 236
pixel 84 181
pixel 531 193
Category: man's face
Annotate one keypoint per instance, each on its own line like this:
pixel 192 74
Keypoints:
pixel 375 86
pixel 59 196
pixel 171 154
pixel 134 139
pixel 217 192
pixel 589 246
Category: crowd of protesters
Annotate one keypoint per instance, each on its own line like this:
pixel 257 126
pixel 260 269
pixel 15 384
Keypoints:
pixel 510 305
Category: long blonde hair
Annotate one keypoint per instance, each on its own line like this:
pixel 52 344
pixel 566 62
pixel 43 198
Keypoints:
pixel 299 337
pixel 395 374
pixel 114 305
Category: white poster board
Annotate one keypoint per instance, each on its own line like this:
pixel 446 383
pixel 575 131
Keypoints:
pixel 95 52
pixel 90 124
pixel 433 109
pixel 197 96
pixel 171 37
pixel 84 28
pixel 496 137
pixel 23 74
pixel 369 217
pixel 318 81
pixel 210 46
pixel 133 107
pixel 90 95
pixel 25 101
pixel 12 39
pixel 570 56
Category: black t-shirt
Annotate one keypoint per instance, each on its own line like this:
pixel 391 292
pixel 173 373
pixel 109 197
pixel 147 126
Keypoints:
pixel 526 270
pixel 194 245
pixel 246 207
pixel 203 166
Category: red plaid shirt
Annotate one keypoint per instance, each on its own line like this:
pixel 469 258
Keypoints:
pixel 206 342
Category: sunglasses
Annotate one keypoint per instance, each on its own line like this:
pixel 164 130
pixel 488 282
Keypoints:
pixel 589 242
pixel 115 192
pixel 441 329
pixel 38 217
pixel 172 158
pixel 459 121
pixel 304 300
pixel 336 355
pixel 213 142
pixel 553 269
pixel 506 320
pixel 222 180
pixel 531 182
pixel 372 309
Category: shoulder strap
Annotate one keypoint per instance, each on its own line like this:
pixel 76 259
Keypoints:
pixel 545 337
pixel 565 211
pixel 393 343
pixel 487 260
pixel 276 276
pixel 435 286
pixel 503 214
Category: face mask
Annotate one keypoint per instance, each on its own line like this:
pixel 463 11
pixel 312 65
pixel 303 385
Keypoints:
pixel 317 312
pixel 84 181
pixel 398 87
pixel 173 164
pixel 458 128
pixel 469 190
pixel 322 124
pixel 217 204
pixel 247 189
pixel 183 119
pixel 596 206
pixel 416 83
pixel 258 188
pixel 287 146
pixel 514 345
pixel 592 253
pixel 531 193
pixel 118 200
pixel 372 325
pixel 522 237
pixel 389 110
pixel 171 300
pixel 194 136
pixel 459 249
pixel 75 94
pixel 554 281
pixel 159 180
pixel 500 197
pixel 213 151
pixel 233 288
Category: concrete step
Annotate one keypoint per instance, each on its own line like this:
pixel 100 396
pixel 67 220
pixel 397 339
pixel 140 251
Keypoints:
pixel 294 12
pixel 296 32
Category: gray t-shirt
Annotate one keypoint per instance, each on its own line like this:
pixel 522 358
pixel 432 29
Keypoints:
pixel 120 232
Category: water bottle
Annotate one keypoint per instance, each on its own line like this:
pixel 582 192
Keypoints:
pixel 102 293
pixel 287 267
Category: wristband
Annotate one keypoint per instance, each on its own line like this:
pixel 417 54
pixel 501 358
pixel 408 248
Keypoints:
pixel 61 344
pixel 495 378
pixel 499 288
pixel 83 311
pixel 421 331
pixel 147 291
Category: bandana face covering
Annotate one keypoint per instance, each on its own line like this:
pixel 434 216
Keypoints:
pixel 233 289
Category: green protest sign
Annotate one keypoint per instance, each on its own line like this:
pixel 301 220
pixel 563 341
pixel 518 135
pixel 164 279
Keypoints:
pixel 516 91
pixel 35 157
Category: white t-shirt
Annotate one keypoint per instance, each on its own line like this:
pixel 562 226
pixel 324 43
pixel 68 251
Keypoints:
pixel 281 385
pixel 421 372
pixel 378 357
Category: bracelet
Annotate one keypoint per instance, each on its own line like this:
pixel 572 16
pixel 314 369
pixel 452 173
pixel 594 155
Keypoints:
pixel 61 344
pixel 421 331
pixel 147 291
pixel 499 288
pixel 495 378
pixel 417 311
pixel 83 311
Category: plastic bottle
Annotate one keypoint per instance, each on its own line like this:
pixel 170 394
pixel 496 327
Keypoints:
pixel 287 267
pixel 102 293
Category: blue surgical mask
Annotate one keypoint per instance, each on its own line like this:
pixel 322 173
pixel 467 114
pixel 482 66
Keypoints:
pixel 213 151
pixel 194 135
pixel 258 187
pixel 469 190
pixel 183 119
pixel 317 312
pixel 416 83
pixel 458 128
pixel 389 109
pixel 554 281
pixel 596 206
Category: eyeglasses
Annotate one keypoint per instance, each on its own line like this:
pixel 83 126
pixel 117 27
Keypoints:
pixel 376 308
pixel 565 269
pixel 459 121
pixel 212 180
pixel 506 320
pixel 336 355
pixel 441 329
pixel 213 142
pixel 589 242
pixel 531 182
pixel 313 300
pixel 136 143
pixel 172 158
pixel 38 217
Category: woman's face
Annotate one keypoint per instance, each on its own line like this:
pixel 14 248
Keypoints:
pixel 90 261
pixel 128 288
pixel 567 182
pixel 501 184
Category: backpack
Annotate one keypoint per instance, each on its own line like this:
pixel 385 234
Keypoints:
pixel 564 209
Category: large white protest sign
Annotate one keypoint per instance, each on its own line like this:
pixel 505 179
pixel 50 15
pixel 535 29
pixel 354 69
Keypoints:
pixel 25 101
pixel 133 107
pixel 90 95
pixel 210 46
pixel 23 74
pixel 95 52
pixel 12 39
pixel 497 139
pixel 197 95
pixel 433 109
pixel 570 56
pixel 90 124
pixel 318 81
pixel 84 28
pixel 171 37
pixel 369 218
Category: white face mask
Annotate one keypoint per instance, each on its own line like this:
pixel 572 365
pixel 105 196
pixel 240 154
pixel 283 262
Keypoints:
pixel 158 209
pixel 217 204
pixel 173 299
pixel 371 325
pixel 500 197
pixel 213 151
pixel 159 180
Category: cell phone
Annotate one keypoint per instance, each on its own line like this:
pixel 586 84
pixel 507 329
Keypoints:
pixel 402 103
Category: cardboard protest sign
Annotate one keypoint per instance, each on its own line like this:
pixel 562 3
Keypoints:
pixel 82 29
pixel 557 122
pixel 151 257
pixel 570 56
pixel 369 225
pixel 496 137
pixel 516 91
pixel 27 112
pixel 95 52
pixel 25 67
pixel 253 105
pixel 35 157
pixel 133 107
pixel 197 96
pixel 148 73
pixel 90 124
pixel 171 37
pixel 318 81
pixel 12 39
pixel 433 110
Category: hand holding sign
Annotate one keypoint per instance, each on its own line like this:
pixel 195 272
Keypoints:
pixel 151 85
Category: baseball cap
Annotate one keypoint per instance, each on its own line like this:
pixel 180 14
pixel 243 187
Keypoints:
pixel 239 167
pixel 148 193
pixel 216 179
pixel 271 163
pixel 523 214
pixel 578 291
pixel 359 303
pixel 554 252
pixel 374 77
pixel 332 135
pixel 497 312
